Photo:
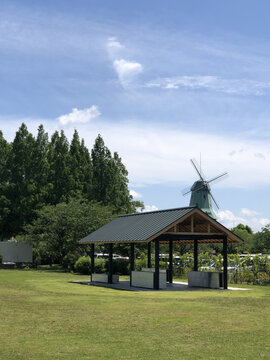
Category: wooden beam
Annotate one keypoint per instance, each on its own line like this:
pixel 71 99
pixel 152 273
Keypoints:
pixel 190 236
pixel 194 233
pixel 192 224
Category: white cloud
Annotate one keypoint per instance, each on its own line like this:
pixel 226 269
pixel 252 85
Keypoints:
pixel 127 70
pixel 114 43
pixel 148 208
pixel 135 194
pixel 248 213
pixel 214 83
pixel 247 217
pixel 79 116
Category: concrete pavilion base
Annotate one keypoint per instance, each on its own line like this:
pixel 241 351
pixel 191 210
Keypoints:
pixel 176 286
pixel 211 280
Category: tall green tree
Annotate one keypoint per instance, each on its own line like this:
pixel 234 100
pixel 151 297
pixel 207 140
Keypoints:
pixel 60 173
pixel 5 204
pixel 80 168
pixel 101 157
pixel 118 193
pixel 22 188
pixel 110 182
pixel 41 168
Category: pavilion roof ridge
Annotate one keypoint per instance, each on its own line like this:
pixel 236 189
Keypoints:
pixel 158 211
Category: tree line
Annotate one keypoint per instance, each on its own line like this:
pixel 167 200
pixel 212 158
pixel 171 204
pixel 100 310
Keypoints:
pixel 38 171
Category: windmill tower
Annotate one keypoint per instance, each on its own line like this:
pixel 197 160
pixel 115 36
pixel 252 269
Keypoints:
pixel 201 195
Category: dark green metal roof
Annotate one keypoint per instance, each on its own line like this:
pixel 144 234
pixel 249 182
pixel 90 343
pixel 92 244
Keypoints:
pixel 136 227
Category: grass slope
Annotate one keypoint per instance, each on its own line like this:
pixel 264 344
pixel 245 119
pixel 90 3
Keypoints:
pixel 44 316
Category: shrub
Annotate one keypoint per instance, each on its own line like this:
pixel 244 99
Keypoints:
pixel 141 263
pixel 1 259
pixel 262 278
pixel 100 266
pixel 69 260
pixel 83 265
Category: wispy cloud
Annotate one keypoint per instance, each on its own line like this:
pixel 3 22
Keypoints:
pixel 211 83
pixel 113 43
pixel 79 116
pixel 127 71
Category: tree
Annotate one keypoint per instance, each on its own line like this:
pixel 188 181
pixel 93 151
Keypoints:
pixel 21 188
pixel 262 240
pixel 58 228
pixel 110 182
pixel 80 168
pixel 101 157
pixel 246 234
pixel 60 173
pixel 41 168
pixel 5 204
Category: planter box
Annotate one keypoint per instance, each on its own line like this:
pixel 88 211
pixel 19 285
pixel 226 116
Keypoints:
pixel 145 278
pixel 104 278
pixel 204 279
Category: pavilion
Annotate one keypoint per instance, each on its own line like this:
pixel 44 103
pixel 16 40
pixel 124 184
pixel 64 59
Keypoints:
pixel 186 225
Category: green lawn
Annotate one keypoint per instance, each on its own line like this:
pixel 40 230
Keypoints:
pixel 44 316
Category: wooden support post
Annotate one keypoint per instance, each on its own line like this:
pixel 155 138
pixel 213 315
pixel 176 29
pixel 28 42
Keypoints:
pixel 195 255
pixel 156 277
pixel 131 261
pixel 225 262
pixel 192 224
pixel 92 259
pixel 110 275
pixel 149 254
pixel 170 279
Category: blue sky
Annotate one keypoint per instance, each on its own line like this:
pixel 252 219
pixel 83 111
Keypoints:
pixel 163 82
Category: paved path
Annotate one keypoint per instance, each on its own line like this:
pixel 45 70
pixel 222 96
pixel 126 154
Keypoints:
pixel 125 285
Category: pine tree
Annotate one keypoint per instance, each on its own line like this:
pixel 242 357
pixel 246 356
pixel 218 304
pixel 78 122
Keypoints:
pixel 41 168
pixel 5 204
pixel 22 188
pixel 110 182
pixel 101 158
pixel 80 167
pixel 60 175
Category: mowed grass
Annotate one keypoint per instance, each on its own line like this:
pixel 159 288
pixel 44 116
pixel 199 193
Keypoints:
pixel 44 316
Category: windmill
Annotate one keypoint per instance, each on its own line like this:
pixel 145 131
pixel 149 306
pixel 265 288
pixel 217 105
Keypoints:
pixel 201 195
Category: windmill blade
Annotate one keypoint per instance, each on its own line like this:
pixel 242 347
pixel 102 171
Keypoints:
pixel 186 191
pixel 196 167
pixel 213 199
pixel 218 178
